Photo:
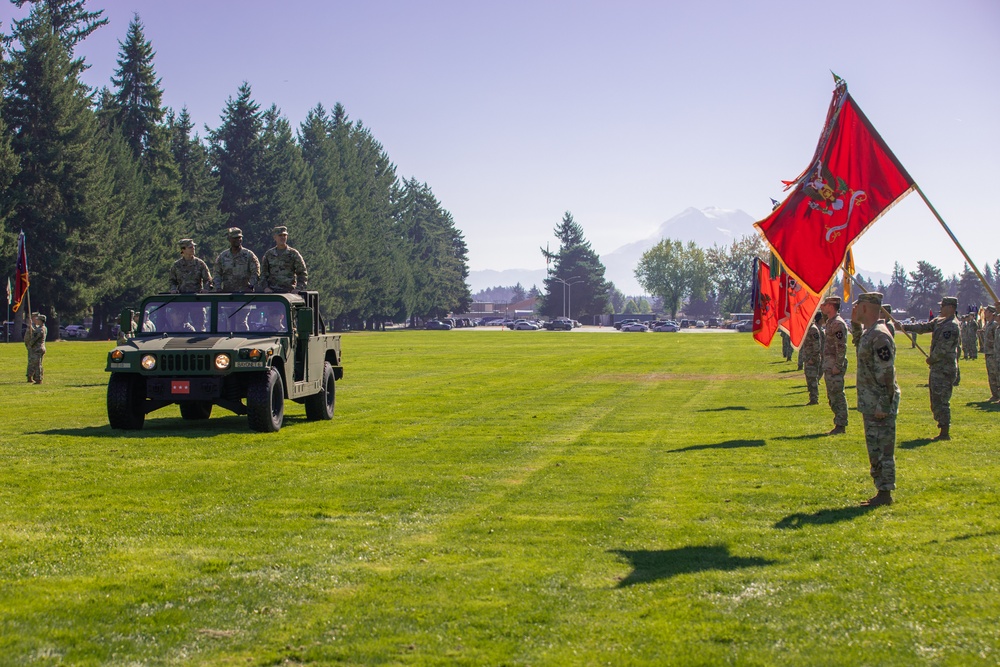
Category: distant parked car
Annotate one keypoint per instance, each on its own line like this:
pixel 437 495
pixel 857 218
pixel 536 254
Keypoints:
pixel 672 327
pixel 700 324
pixel 437 325
pixel 634 326
pixel 75 331
pixel 686 324
pixel 713 322
pixel 559 324
pixel 745 326
pixel 525 325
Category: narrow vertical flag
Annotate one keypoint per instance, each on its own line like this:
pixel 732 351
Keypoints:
pixel 848 275
pixel 21 277
pixel 8 292
pixel 765 303
pixel 852 180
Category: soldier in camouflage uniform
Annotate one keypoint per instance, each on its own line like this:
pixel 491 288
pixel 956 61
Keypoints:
pixel 878 396
pixel 835 362
pixel 786 345
pixel 812 358
pixel 989 350
pixel 943 360
pixel 189 273
pixel 970 337
pixel 282 268
pixel 236 269
pixel 34 340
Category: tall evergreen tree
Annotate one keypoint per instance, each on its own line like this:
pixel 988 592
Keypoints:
pixel 574 261
pixel 970 290
pixel 61 196
pixel 200 215
pixel 68 18
pixel 897 293
pixel 137 95
pixel 926 289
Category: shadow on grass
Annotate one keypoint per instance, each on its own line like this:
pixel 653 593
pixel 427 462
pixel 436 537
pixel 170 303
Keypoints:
pixel 650 566
pixel 913 444
pixel 728 407
pixel 822 517
pixel 174 427
pixel 808 436
pixel 985 406
pixel 729 444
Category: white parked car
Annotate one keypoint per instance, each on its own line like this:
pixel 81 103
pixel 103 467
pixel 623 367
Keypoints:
pixel 525 325
pixel 76 331
pixel 634 326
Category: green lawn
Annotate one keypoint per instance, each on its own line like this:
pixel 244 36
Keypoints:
pixel 499 498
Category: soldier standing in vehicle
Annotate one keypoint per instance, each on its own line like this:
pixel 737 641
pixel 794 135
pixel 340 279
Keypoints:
pixel 835 362
pixel 943 360
pixel 34 340
pixel 236 269
pixel 282 268
pixel 189 273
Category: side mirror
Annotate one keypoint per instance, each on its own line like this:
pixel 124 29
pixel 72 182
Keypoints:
pixel 304 322
pixel 125 320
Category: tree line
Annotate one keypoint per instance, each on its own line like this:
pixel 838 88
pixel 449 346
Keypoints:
pixel 104 183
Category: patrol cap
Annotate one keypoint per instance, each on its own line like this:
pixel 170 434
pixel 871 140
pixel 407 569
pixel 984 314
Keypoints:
pixel 235 233
pixel 39 316
pixel 280 229
pixel 950 301
pixel 832 300
pixel 991 309
pixel 887 307
pixel 187 243
pixel 870 297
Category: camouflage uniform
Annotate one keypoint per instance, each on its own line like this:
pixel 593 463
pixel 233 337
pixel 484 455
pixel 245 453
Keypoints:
pixel 189 275
pixel 283 270
pixel 834 368
pixel 236 273
pixel 812 360
pixel 943 360
pixel 989 349
pixel 970 338
pixel 879 393
pixel 786 346
pixel 34 340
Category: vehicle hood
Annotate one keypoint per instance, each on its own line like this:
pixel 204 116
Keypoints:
pixel 198 342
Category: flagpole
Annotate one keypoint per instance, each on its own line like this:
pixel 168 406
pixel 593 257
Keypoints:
pixel 899 325
pixel 968 259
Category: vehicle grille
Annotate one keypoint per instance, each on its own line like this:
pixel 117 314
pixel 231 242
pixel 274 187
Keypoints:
pixel 171 363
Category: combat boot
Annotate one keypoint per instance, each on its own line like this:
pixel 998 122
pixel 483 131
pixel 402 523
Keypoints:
pixel 837 430
pixel 943 435
pixel 880 498
pixel 813 401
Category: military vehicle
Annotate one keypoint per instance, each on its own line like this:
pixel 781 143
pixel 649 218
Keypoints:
pixel 206 349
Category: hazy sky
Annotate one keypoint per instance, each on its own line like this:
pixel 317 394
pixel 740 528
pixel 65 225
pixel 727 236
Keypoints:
pixel 624 113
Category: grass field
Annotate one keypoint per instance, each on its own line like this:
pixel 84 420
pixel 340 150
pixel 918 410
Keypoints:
pixel 499 498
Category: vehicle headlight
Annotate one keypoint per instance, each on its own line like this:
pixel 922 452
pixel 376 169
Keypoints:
pixel 222 361
pixel 148 362
pixel 117 355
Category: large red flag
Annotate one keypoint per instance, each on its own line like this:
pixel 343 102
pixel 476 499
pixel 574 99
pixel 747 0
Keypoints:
pixel 765 304
pixel 798 308
pixel 852 180
pixel 21 277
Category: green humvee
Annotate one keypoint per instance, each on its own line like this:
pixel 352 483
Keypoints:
pixel 200 350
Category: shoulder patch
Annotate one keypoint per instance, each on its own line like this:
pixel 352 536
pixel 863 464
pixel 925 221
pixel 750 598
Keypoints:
pixel 884 353
pixel 839 335
pixel 947 334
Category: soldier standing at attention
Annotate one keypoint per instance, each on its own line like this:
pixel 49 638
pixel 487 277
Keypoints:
pixel 236 269
pixel 189 273
pixel 835 362
pixel 878 395
pixel 989 349
pixel 34 340
pixel 812 358
pixel 282 269
pixel 943 360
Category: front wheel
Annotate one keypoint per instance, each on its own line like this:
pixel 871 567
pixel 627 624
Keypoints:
pixel 266 402
pixel 320 405
pixel 126 401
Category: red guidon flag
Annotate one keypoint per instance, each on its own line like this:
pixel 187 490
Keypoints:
pixel 21 276
pixel 766 294
pixel 852 180
pixel 799 306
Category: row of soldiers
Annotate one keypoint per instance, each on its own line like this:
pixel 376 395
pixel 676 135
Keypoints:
pixel 237 269
pixel 824 354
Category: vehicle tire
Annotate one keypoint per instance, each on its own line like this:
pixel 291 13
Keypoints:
pixel 126 401
pixel 320 405
pixel 266 402
pixel 196 409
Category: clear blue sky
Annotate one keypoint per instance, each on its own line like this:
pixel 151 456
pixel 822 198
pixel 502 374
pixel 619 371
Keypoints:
pixel 624 113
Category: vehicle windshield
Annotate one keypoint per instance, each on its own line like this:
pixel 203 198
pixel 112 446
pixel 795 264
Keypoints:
pixel 174 316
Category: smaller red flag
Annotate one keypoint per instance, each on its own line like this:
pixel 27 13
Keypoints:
pixel 800 307
pixel 766 294
pixel 21 277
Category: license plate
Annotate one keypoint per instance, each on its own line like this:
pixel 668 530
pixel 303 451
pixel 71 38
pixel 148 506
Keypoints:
pixel 180 386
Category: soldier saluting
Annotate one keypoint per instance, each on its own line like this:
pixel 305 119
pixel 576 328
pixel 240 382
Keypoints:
pixel 236 269
pixel 282 268
pixel 943 360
